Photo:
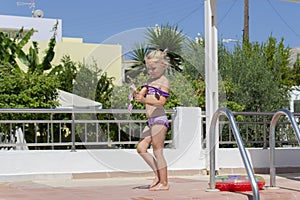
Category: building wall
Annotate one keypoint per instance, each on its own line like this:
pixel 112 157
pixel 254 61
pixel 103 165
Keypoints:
pixel 42 26
pixel 107 57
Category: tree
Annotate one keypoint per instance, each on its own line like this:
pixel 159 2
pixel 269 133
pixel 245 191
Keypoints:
pixel 104 90
pixel 31 60
pixel 257 75
pixel 65 73
pixel 11 48
pixel 277 57
pixel 31 89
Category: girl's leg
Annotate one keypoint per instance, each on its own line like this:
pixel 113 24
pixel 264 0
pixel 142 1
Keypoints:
pixel 142 147
pixel 158 138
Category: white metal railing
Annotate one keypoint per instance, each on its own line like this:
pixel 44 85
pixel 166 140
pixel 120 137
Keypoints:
pixel 97 133
pixel 81 129
pixel 254 128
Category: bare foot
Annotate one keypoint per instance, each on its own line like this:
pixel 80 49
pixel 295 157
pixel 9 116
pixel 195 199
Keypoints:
pixel 160 187
pixel 155 182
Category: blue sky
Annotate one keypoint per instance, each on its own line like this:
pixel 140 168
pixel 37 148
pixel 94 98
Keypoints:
pixel 97 20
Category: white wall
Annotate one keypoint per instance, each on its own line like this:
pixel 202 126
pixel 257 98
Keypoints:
pixel 43 26
pixel 284 157
pixel 186 154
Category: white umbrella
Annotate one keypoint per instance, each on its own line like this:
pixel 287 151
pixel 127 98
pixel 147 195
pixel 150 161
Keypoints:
pixel 69 100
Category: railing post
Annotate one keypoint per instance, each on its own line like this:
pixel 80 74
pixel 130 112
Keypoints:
pixel 265 132
pixel 73 148
pixel 172 129
pixel 51 129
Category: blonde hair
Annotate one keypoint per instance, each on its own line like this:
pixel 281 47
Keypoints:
pixel 161 55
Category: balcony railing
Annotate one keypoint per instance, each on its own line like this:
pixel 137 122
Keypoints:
pixel 73 128
pixel 117 128
pixel 254 128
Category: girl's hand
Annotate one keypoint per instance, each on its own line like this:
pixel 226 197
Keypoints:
pixel 139 97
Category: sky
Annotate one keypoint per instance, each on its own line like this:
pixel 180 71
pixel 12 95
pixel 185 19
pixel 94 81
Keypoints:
pixel 98 21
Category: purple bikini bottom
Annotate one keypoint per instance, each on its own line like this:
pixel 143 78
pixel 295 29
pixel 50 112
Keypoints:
pixel 158 120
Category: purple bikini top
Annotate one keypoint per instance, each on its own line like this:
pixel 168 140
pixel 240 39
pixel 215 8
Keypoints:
pixel 156 91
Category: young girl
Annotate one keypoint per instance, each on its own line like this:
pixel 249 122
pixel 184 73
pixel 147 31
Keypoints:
pixel 154 94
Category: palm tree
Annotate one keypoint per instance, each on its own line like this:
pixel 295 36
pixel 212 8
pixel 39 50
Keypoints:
pixel 166 37
pixel 11 48
pixel 31 60
pixel 163 37
pixel 138 56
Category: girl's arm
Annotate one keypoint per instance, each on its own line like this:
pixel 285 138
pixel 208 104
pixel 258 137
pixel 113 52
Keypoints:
pixel 140 97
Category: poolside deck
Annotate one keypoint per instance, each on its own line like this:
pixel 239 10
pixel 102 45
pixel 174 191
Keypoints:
pixel 135 188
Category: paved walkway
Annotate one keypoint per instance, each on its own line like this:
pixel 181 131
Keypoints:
pixel 135 188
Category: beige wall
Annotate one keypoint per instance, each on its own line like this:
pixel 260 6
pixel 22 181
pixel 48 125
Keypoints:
pixel 108 57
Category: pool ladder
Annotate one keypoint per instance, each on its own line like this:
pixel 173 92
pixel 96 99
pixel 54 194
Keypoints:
pixel 241 147
pixel 242 150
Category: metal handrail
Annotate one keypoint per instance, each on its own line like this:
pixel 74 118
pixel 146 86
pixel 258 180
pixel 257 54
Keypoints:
pixel 241 147
pixel 275 118
pixel 255 126
pixel 73 121
pixel 69 110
